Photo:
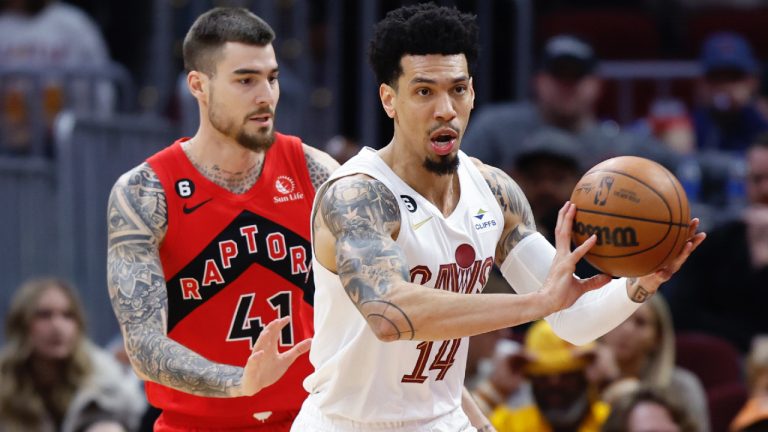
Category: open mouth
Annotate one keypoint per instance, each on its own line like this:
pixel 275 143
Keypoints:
pixel 443 140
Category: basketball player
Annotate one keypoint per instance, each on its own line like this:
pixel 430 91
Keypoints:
pixel 404 236
pixel 209 245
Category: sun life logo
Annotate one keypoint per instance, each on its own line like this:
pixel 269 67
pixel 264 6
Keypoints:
pixel 287 187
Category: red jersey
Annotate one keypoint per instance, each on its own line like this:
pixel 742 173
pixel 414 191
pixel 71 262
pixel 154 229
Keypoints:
pixel 232 264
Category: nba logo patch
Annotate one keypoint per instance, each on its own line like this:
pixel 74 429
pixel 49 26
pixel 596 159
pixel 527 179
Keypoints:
pixel 483 221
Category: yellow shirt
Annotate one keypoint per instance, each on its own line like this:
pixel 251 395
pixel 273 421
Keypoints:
pixel 529 419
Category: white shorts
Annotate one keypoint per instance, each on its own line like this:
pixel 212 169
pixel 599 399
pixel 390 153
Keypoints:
pixel 311 419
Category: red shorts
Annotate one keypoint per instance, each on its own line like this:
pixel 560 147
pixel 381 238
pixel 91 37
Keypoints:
pixel 174 422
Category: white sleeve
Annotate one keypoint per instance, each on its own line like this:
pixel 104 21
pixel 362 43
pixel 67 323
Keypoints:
pixel 594 314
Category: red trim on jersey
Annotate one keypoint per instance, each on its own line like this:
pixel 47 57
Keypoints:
pixel 224 279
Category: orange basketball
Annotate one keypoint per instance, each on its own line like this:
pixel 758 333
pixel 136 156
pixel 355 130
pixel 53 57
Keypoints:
pixel 637 209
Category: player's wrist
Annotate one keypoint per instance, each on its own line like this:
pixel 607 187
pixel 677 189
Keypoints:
pixel 641 289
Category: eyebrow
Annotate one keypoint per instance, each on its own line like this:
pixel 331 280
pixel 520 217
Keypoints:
pixel 421 80
pixel 252 71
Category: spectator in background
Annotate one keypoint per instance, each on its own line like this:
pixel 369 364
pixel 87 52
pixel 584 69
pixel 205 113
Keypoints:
pixel 643 348
pixel 728 117
pixel 722 290
pixel 52 378
pixel 670 123
pixel 753 417
pixel 647 409
pixel 562 397
pixel 45 36
pixel 567 89
pixel 547 168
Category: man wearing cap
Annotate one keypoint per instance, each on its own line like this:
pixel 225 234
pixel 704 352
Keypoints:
pixel 567 88
pixel 562 400
pixel 728 117
pixel 547 167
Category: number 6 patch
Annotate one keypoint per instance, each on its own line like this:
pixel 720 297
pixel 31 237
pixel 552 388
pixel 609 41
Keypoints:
pixel 185 188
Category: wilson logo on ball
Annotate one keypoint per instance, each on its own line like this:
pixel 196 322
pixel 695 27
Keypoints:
pixel 618 237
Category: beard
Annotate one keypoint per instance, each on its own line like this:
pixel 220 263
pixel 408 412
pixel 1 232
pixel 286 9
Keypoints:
pixel 260 141
pixel 444 165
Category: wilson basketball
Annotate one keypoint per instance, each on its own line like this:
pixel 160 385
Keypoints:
pixel 637 209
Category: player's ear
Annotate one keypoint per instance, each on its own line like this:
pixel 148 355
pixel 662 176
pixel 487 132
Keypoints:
pixel 471 93
pixel 197 82
pixel 388 95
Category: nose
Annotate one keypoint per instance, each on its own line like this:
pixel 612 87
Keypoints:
pixel 266 93
pixel 444 109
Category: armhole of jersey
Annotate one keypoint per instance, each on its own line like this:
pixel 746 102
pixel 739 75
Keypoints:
pixel 302 169
pixel 158 166
pixel 478 177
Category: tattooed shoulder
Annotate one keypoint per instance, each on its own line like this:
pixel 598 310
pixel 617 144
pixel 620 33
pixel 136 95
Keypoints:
pixel 138 199
pixel 514 205
pixel 357 203
pixel 319 164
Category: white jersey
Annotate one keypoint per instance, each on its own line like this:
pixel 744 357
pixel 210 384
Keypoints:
pixel 362 379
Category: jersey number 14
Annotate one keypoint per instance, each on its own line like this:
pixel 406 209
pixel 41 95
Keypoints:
pixel 443 361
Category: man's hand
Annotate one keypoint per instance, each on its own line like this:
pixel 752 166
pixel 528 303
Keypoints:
pixel 639 289
pixel 265 364
pixel 561 286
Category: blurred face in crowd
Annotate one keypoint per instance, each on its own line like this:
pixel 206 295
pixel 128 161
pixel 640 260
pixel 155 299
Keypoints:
pixel 53 330
pixel 567 99
pixel 243 94
pixel 636 337
pixel 547 182
pixel 430 107
pixel 561 397
pixel 649 416
pixel 757 175
pixel 728 90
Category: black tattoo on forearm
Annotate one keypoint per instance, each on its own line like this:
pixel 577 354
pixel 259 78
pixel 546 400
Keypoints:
pixel 639 293
pixel 362 214
pixel 512 201
pixel 486 428
pixel 137 221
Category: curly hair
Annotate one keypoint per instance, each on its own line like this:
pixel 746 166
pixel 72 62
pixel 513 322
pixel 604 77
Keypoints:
pixel 421 29
pixel 211 30
pixel 21 405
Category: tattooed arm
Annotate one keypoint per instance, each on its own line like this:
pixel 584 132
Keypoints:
pixel 319 164
pixel 596 312
pixel 518 217
pixel 137 222
pixel 357 220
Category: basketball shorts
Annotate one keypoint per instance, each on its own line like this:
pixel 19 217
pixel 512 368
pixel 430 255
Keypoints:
pixel 310 419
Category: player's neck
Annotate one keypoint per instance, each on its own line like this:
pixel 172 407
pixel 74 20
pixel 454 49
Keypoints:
pixel 441 190
pixel 224 161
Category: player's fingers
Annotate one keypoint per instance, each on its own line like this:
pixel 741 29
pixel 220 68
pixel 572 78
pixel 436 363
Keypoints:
pixel 298 349
pixel 583 248
pixel 595 282
pixel 563 228
pixel 255 356
pixel 270 333
pixel 693 227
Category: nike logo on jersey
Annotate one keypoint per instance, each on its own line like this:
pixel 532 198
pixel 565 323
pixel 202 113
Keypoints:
pixel 188 210
pixel 420 224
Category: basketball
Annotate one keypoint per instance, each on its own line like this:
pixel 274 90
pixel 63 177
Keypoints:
pixel 637 209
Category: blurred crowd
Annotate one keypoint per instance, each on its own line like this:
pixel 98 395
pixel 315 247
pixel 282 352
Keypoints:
pixel 694 358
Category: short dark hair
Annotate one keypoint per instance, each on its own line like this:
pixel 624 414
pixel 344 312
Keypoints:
pixel 213 29
pixel 421 29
